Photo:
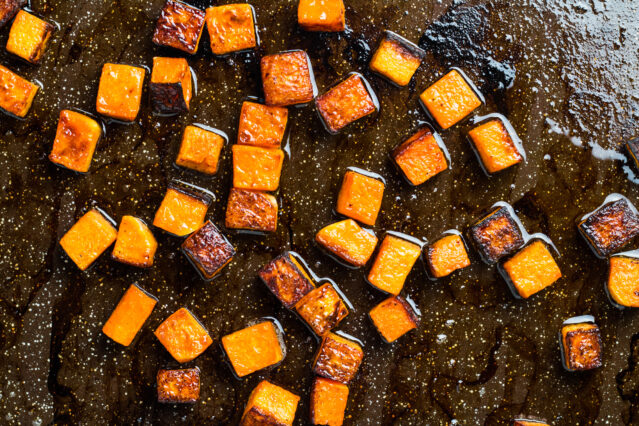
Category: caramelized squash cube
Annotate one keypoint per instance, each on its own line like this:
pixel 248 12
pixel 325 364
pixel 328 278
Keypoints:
pixel 394 261
pixel 348 241
pixel 421 156
pixel 129 315
pixel 447 255
pixel 88 238
pixel 322 15
pixel 183 336
pixel 251 210
pixel 254 348
pixel 75 141
pixel 286 279
pixel 200 150
pixel 495 145
pixel 360 197
pixel 527 422
pixel 181 211
pixel 232 28
pixel 120 91
pixel 171 86
pixel 338 358
pixel 581 344
pixel 29 36
pixel 397 59
pixel 610 227
pixel 328 402
pixel 262 125
pixel 623 280
pixel 633 149
pixel 393 318
pixel 269 405
pixel 16 93
pixel 287 78
pixel 497 235
pixel 322 309
pixel 8 9
pixel 179 26
pixel 531 270
pixel 257 168
pixel 135 243
pixel 181 386
pixel 208 250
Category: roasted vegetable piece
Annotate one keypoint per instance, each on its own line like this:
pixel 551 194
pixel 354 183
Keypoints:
pixel 262 125
pixel 183 336
pixel 8 9
pixel 208 250
pixel 179 26
pixel 633 149
pixel 231 28
pixel 495 146
pixel 397 59
pixel 269 405
pixel 420 157
pixel 88 238
pixel 394 261
pixel 338 358
pixel 623 280
pixel 532 269
pixel 129 315
pixel 257 168
pixel 393 318
pixel 181 212
pixel 135 244
pixel 610 227
pixel 29 36
pixel 254 348
pixel 524 422
pixel 446 255
pixel 200 150
pixel 75 141
pixel 251 210
pixel 360 197
pixel 348 241
pixel 286 279
pixel 496 235
pixel 16 93
pixel 581 343
pixel 322 309
pixel 120 91
pixel 328 402
pixel 171 85
pixel 287 78
pixel 322 15
pixel 178 386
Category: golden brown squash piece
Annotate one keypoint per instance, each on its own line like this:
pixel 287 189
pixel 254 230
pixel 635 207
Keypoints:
pixel 251 210
pixel 8 9
pixel 75 141
pixel 287 78
pixel 129 315
pixel 253 348
pixel 328 402
pixel 286 279
pixel 181 386
pixel 135 244
pixel 322 309
pixel 208 250
pixel 394 261
pixel 262 125
pixel 532 269
pixel 270 405
pixel 581 346
pixel 610 227
pixel 179 26
pixel 496 235
pixel 231 28
pixel 200 150
pixel 16 93
pixel 495 146
pixel 397 59
pixel 420 157
pixel 623 280
pixel 447 255
pixel 360 197
pixel 393 318
pixel 181 212
pixel 322 15
pixel 29 36
pixel 171 86
pixel 346 103
pixel 257 168
pixel 338 358
pixel 88 238
pixel 348 241
pixel 120 91
pixel 524 422
pixel 183 336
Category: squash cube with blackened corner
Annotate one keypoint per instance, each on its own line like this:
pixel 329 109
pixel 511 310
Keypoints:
pixel 16 93
pixel 171 86
pixel 286 279
pixel 328 402
pixel 200 150
pixel 88 238
pixel 528 422
pixel 179 26
pixel 29 36
pixel 208 250
pixel 610 227
pixel 262 125
pixel 129 315
pixel 397 59
pixel 181 386
pixel 338 358
pixel 8 9
pixel 447 255
pixel 495 145
pixel 322 309
pixel 120 91
pixel 183 336
pixel 287 78
pixel 135 244
pixel 348 241
pixel 531 270
pixel 496 235
pixel 269 405
pixel 345 103
pixel 322 15
pixel 632 146
pixel 75 141
pixel 181 211
pixel 231 28
pixel 257 168
pixel 421 156
pixel 394 261
pixel 254 348
pixel 451 99
pixel 251 211
pixel 360 197
pixel 623 280
pixel 581 346
pixel 393 318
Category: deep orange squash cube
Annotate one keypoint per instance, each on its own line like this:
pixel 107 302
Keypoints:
pixel 360 197
pixel 286 278
pixel 200 150
pixel 208 250
pixel 251 210
pixel 287 78
pixel 75 141
pixel 182 211
pixel 495 145
pixel 397 59
pixel 171 86
pixel 394 261
pixel 322 309
pixel 183 336
pixel 232 28
pixel 120 91
pixel 181 386
pixel 254 348
pixel 338 358
pixel 88 238
pixel 129 315
pixel 135 243
pixel 421 156
pixel 322 15
pixel 268 405
pixel 179 26
pixel 611 226
pixel 29 36
pixel 262 125
pixel 16 93
pixel 348 241
pixel 328 402
pixel 581 346
pixel 497 234
pixel 531 270
pixel 8 9
pixel 393 318
pixel 257 168
pixel 527 422
pixel 623 280
pixel 447 255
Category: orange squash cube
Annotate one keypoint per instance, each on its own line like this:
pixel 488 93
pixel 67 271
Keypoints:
pixel 251 210
pixel 531 270
pixel 179 26
pixel 527 422
pixel 182 211
pixel 88 238
pixel 623 280
pixel 180 386
pixel 322 15
pixel 495 145
pixel 120 91
pixel 75 141
pixel 581 346
pixel 254 348
pixel 129 315
pixel 208 250
pixel 200 150
pixel 393 263
pixel 8 9
pixel 232 28
pixel 16 93
pixel 338 358
pixel 497 234
pixel 421 156
pixel 286 278
pixel 447 255
pixel 348 241
pixel 262 125
pixel 360 197
pixel 322 309
pixel 135 243
pixel 29 36
pixel 393 318
pixel 451 99
pixel 328 402
pixel 397 59
pixel 171 86
pixel 183 336
pixel 287 78
pixel 268 405
pixel 610 227
pixel 257 168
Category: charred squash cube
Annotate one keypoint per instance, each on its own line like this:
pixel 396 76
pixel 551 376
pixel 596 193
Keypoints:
pixel 257 168
pixel 179 26
pixel 75 141
pixel 497 234
pixel 322 309
pixel 447 255
pixel 632 146
pixel 16 93
pixel 29 36
pixel 421 156
pixel 623 279
pixel 254 348
pixel 286 279
pixel 346 103
pixel 360 197
pixel 451 99
pixel 135 244
pixel 232 28
pixel 338 358
pixel 322 15
pixel 182 211
pixel 262 125
pixel 120 91
pixel 270 404
pixel 8 9
pixel 287 78
pixel 200 150
pixel 531 270
pixel 88 238
pixel 251 210
pixel 171 86
pixel 495 145
pixel 394 261
pixel 183 336
pixel 328 402
pixel 348 241
pixel 129 315
pixel 393 318
pixel 610 227
pixel 581 346
pixel 180 386
pixel 208 250
pixel 397 59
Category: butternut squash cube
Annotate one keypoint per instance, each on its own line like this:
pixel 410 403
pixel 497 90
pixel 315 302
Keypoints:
pixel 182 211
pixel 286 279
pixel 257 168
pixel 129 315
pixel 527 422
pixel 287 78
pixel 495 146
pixel 232 28
pixel 120 91
pixel 581 346
pixel 251 211
pixel 397 59
pixel 623 280
pixel 183 336
pixel 322 15
pixel 531 270
pixel 208 250
pixel 447 255
pixel 360 197
pixel 262 125
pixel 328 402
pixel 171 86
pixel 75 141
pixel 16 93
pixel 393 318
pixel 135 244
pixel 497 235
pixel 322 309
pixel 632 146
pixel 421 156
pixel 200 150
pixel 610 227
pixel 8 9
pixel 179 26
pixel 338 358
pixel 180 386
pixel 88 238
pixel 348 241
pixel 394 261
pixel 268 405
pixel 29 36
pixel 254 348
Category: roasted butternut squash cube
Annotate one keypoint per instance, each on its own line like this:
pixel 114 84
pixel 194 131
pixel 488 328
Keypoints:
pixel 8 9
pixel 421 156
pixel 338 358
pixel 208 250
pixel 171 86
pixel 120 91
pixel 179 26
pixel 397 59
pixel 254 348
pixel 286 279
pixel 451 99
pixel 232 28
pixel 526 422
pixel 623 280
pixel 88 238
pixel 257 168
pixel 348 241
pixel 610 227
pixel 135 243
pixel 633 149
pixel 497 234
pixel 200 150
pixel 251 211
pixel 581 344
pixel 360 197
pixel 183 336
pixel 394 261
pixel 262 125
pixel 181 386
pixel 328 402
pixel 75 141
pixel 531 270
pixel 393 318
pixel 322 15
pixel 129 315
pixel 182 211
pixel 287 78
pixel 322 309
pixel 495 145
pixel 268 405
pixel 447 255
pixel 29 36
pixel 16 93
pixel 346 103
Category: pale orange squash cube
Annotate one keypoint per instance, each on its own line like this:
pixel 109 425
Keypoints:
pixel 328 402
pixel 88 238
pixel 262 125
pixel 253 348
pixel 393 318
pixel 348 241
pixel 447 255
pixel 268 405
pixel 135 244
pixel 420 157
pixel 16 93
pixel 29 36
pixel 75 141
pixel 171 86
pixel 623 280
pixel 393 263
pixel 495 146
pixel 322 15
pixel 183 336
pixel 231 28
pixel 360 197
pixel 120 91
pixel 200 150
pixel 129 315
pixel 257 168
pixel 532 269
pixel 397 59
pixel 181 212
